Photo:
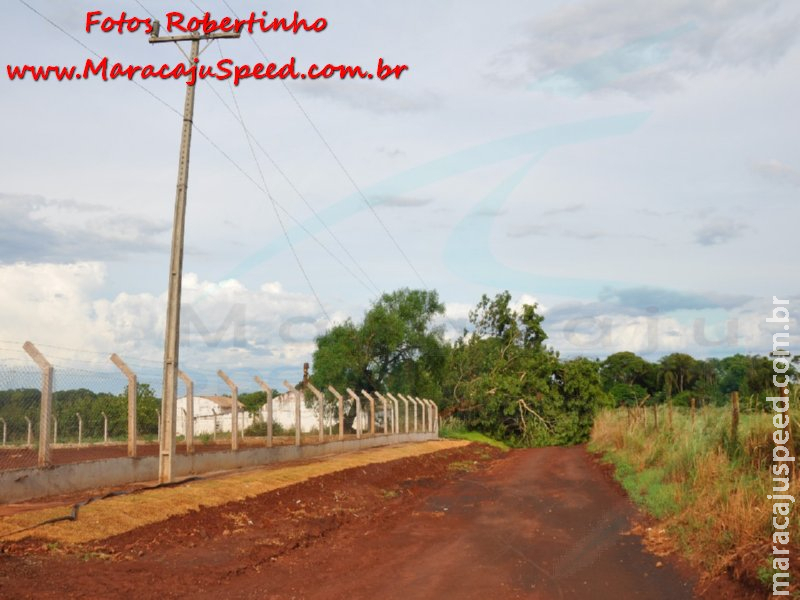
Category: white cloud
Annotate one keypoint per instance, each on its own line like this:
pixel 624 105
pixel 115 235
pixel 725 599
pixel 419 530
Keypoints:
pixel 224 325
pixel 382 99
pixel 718 232
pixel 34 228
pixel 778 171
pixel 644 47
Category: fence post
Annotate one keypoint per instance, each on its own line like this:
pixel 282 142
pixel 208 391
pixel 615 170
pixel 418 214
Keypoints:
pixel 189 410
pixel 55 430
pixel 333 391
pixel 669 415
pixel 693 405
pixel 435 416
pixel 321 399
pixel 734 416
pixel 423 410
pixel 132 393
pixel 4 430
pixel 46 404
pixel 395 413
pixel 655 416
pixel 388 414
pixel 396 420
pixel 158 429
pixel 385 415
pixel 431 420
pixel 371 412
pixel 414 403
pixel 268 391
pixel 405 402
pixel 214 432
pixel 298 440
pixel 80 428
pixel 234 409
pixel 357 400
pixel 30 432
pixel 105 428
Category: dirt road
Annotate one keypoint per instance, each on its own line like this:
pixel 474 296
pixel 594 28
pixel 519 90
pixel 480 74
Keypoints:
pixel 463 523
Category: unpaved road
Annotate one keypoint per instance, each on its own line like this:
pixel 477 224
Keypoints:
pixel 464 523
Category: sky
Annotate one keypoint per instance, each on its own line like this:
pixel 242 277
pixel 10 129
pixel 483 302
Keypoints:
pixel 632 167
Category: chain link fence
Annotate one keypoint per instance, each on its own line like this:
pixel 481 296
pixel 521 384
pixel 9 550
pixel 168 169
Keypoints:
pixel 88 416
pixel 89 411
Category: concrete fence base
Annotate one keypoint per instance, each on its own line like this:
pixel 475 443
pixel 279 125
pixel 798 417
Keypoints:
pixel 28 484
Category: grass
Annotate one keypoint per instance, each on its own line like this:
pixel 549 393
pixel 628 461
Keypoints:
pixel 455 429
pixel 708 488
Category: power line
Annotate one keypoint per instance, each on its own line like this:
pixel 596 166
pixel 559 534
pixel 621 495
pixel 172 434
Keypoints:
pixel 274 206
pixel 338 161
pixel 305 201
pixel 144 8
pixel 252 139
pixel 199 131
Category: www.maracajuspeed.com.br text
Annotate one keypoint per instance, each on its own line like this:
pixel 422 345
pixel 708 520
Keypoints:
pixel 222 70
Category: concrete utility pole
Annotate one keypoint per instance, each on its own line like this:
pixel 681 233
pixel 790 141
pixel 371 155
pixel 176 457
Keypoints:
pixel 172 337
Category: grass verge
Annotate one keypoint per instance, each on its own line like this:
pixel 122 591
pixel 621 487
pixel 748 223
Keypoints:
pixel 708 489
pixel 454 429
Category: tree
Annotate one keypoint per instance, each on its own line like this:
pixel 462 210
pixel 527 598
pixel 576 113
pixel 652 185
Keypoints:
pixel 505 382
pixel 397 347
pixel 683 370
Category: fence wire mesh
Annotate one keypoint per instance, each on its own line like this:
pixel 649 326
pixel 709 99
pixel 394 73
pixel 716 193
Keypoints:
pixel 89 412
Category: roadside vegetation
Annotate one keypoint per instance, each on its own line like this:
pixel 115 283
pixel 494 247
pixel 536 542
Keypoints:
pixel 499 378
pixel 454 429
pixel 706 485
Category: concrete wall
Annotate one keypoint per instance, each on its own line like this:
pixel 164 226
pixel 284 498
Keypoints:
pixel 28 484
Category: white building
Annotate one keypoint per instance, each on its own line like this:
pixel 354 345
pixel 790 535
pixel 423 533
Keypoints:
pixel 210 413
pixel 214 413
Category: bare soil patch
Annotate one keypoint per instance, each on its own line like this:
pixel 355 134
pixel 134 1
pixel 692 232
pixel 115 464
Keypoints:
pixel 469 522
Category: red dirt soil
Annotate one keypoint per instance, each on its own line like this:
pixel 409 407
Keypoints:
pixel 463 523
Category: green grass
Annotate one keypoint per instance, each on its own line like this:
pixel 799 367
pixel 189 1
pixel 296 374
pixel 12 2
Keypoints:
pixel 473 436
pixel 708 488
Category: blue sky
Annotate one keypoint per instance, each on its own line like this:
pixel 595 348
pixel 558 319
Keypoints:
pixel 631 166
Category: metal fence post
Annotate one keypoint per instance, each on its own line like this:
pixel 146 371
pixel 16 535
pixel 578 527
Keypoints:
pixel 80 428
pixel 189 410
pixel 333 391
pixel 268 390
pixel 132 385
pixel 234 409
pixel 46 404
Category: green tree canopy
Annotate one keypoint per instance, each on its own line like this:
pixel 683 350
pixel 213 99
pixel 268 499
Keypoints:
pixel 397 346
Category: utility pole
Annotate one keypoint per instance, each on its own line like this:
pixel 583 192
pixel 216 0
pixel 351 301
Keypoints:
pixel 172 337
